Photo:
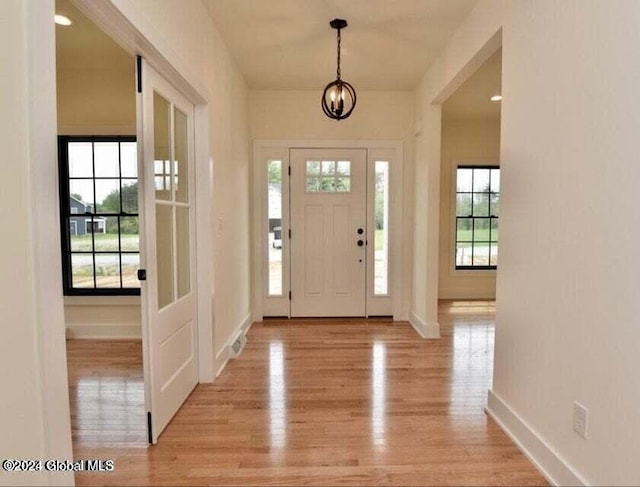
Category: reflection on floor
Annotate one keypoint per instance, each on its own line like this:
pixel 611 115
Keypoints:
pixel 106 392
pixel 338 402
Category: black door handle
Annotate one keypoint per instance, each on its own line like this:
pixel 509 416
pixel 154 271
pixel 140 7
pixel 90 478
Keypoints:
pixel 360 243
pixel 360 231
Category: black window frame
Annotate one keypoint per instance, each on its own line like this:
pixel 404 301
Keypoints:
pixel 473 217
pixel 66 214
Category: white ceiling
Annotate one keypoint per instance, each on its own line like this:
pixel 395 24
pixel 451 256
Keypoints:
pixel 288 44
pixel 472 100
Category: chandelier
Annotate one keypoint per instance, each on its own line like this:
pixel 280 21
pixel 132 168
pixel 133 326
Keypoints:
pixel 339 97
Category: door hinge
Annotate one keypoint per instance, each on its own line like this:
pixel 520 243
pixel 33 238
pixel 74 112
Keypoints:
pixel 142 274
pixel 150 434
pixel 289 295
pixel 289 172
pixel 289 233
pixel 139 72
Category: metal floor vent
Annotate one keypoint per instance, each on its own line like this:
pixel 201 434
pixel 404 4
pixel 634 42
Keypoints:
pixel 237 346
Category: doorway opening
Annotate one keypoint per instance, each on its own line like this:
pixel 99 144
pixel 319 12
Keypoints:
pixel 96 106
pixel 470 186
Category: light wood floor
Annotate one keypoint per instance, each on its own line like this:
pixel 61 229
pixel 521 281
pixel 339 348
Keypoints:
pixel 320 402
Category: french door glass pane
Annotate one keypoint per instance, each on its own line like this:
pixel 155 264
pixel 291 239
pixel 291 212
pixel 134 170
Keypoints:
pixel 164 254
pixel 182 251
pixel 381 226
pixel 274 204
pixel 181 167
pixel 161 149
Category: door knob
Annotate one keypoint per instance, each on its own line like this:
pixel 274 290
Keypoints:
pixel 360 231
pixel 360 243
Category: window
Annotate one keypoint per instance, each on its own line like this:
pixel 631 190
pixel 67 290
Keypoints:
pixel 274 209
pixel 328 176
pixel 381 236
pixel 477 211
pixel 99 215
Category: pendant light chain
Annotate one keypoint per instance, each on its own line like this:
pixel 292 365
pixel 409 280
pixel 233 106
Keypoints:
pixel 339 41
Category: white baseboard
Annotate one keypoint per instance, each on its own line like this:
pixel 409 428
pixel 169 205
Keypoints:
pixel 104 332
pixel 550 464
pixel 432 330
pixel 223 357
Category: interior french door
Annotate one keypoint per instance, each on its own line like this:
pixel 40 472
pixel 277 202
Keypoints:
pixel 328 208
pixel 168 295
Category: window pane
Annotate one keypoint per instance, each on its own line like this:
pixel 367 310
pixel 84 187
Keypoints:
pixel 481 229
pixel 465 180
pixel 181 167
pixel 494 255
pixel 161 150
pixel 381 228
pixel 464 230
pixel 80 159
pixel 129 234
pixel 164 254
pixel 480 254
pixel 463 204
pixel 343 185
pixel 495 204
pixel 108 195
pixel 494 229
pixel 481 204
pixel 313 168
pixel 464 254
pixel 81 241
pixel 495 180
pixel 328 167
pixel 81 195
pixel 274 237
pixel 82 270
pixel 344 168
pixel 107 159
pixel 327 185
pixel 481 180
pixel 106 235
pixel 313 185
pixel 182 251
pixel 129 196
pixel 130 266
pixel 128 159
pixel 107 270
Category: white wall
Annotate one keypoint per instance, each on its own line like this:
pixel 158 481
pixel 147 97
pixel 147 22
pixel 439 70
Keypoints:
pixel 568 319
pixel 32 324
pixel 463 141
pixel 379 115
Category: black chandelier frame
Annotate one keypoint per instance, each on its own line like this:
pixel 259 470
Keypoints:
pixel 344 94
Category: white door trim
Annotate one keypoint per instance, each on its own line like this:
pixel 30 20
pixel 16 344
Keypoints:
pixel 278 149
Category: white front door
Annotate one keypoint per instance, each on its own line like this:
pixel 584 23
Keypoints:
pixel 168 296
pixel 328 195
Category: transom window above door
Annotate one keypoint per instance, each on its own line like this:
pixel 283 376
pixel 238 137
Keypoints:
pixel 328 177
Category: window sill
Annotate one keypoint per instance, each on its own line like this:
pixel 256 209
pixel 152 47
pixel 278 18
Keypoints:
pixel 102 301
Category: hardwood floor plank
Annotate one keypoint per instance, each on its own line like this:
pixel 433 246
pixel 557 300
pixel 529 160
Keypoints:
pixel 309 402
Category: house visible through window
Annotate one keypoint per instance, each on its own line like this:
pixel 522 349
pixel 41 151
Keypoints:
pixel 99 215
pixel 477 211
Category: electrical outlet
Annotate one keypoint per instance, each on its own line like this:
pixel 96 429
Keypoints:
pixel 580 416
